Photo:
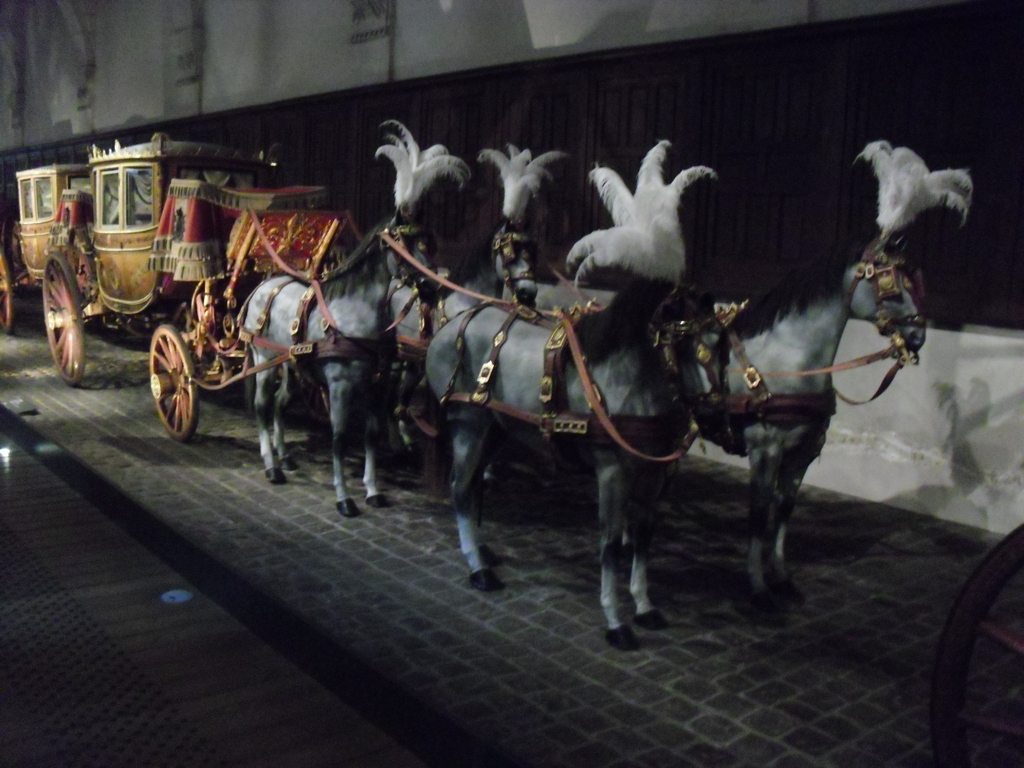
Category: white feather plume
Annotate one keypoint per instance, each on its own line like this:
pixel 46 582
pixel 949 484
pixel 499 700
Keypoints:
pixel 646 239
pixel 906 187
pixel 521 176
pixel 416 171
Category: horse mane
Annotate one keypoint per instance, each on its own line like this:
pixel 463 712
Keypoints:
pixel 624 323
pixel 475 261
pixel 361 268
pixel 802 286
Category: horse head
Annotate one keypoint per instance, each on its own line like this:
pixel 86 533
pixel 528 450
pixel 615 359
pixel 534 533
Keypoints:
pixel 883 290
pixel 419 243
pixel 515 257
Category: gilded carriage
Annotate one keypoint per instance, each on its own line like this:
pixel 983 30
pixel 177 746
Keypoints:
pixel 167 240
pixel 25 228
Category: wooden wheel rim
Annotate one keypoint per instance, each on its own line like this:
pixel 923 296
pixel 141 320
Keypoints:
pixel 950 718
pixel 65 331
pixel 6 292
pixel 172 383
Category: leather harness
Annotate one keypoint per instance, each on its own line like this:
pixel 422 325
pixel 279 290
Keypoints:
pixel 654 434
pixel 723 415
pixel 334 345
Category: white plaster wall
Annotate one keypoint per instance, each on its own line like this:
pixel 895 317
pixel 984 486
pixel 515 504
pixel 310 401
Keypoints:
pixel 946 439
pixel 261 51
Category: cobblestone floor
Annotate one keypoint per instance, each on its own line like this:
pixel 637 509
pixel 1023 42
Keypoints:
pixel 841 681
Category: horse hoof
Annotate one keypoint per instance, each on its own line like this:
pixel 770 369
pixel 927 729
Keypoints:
pixel 377 501
pixel 767 602
pixel 347 508
pixel 651 620
pixel 485 580
pixel 275 476
pixel 623 638
pixel 489 557
pixel 288 464
pixel 789 592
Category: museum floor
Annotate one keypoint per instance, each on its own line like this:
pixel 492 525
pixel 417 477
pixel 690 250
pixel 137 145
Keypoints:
pixel 374 614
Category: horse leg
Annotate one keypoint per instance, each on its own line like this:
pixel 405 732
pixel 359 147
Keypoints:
pixel 765 461
pixel 374 424
pixel 281 400
pixel 641 532
pixel 612 497
pixel 791 476
pixel 263 404
pixel 340 391
pixel 470 428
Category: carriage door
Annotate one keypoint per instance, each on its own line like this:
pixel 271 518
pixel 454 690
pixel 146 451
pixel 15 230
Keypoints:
pixel 124 231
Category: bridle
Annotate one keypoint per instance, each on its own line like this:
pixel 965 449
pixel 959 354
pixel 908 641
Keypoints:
pixel 885 272
pixel 888 277
pixel 512 247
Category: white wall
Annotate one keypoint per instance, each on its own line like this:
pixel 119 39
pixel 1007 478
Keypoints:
pixel 946 439
pixel 159 59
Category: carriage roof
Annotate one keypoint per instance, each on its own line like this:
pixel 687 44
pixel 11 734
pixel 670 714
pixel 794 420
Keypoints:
pixel 161 147
pixel 57 168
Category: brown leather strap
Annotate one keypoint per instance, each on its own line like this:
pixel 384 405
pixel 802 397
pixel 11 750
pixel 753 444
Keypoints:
pixel 404 254
pixel 460 346
pixel 596 405
pixel 800 408
pixel 412 349
pixel 413 296
pixel 889 376
pixel 483 380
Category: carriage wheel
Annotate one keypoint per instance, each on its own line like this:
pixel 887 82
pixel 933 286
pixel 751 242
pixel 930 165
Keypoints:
pixel 62 308
pixel 6 290
pixel 977 711
pixel 172 379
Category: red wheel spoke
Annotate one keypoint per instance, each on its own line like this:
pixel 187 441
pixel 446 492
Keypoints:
pixel 1007 636
pixel 1003 725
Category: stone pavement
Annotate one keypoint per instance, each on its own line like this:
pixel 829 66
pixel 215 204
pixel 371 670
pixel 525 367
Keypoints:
pixel 841 681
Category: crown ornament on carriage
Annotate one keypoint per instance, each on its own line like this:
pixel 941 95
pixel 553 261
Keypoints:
pixel 647 239
pixel 416 171
pixel 906 187
pixel 521 176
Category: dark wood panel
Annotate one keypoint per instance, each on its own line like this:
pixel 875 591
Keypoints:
pixel 780 115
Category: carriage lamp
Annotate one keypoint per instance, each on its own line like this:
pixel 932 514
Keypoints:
pixel 5 452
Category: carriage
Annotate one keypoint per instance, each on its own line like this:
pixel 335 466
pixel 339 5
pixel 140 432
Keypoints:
pixel 25 227
pixel 164 241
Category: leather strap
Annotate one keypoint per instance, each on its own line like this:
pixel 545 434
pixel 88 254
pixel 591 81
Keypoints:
pixel 483 380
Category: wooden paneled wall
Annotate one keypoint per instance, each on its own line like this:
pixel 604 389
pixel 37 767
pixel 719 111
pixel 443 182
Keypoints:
pixel 781 117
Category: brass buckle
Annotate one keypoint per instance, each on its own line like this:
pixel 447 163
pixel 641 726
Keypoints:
pixel 295 326
pixel 547 387
pixel 569 426
pixel 244 336
pixel 484 377
pixel 297 350
pixel 752 378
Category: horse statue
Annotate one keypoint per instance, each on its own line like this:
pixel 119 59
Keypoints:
pixel 503 373
pixel 759 380
pixel 499 265
pixel 340 329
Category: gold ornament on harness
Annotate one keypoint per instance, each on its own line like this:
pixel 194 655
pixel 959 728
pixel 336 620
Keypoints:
pixel 703 352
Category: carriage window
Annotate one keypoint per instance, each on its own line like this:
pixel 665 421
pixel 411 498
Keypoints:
pixel 27 209
pixel 80 183
pixel 138 184
pixel 44 198
pixel 110 194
